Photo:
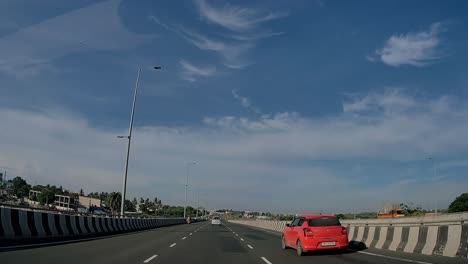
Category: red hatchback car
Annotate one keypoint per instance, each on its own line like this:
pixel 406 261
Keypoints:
pixel 315 232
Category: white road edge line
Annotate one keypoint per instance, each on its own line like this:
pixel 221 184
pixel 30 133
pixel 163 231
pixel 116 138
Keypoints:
pixel 266 260
pixel 250 246
pixel 173 245
pixel 394 258
pixel 184 238
pixel 150 259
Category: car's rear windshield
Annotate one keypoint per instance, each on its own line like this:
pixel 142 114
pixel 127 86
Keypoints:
pixel 324 221
pixel 215 218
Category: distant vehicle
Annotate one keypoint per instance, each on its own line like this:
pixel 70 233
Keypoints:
pixel 314 232
pixel 216 220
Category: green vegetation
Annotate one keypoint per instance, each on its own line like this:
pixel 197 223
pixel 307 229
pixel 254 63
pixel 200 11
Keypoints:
pixel 460 204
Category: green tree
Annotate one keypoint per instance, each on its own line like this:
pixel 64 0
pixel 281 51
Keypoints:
pixel 47 196
pixel 129 207
pixel 20 187
pixel 460 204
pixel 114 201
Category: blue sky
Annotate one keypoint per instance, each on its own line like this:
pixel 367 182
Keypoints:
pixel 341 102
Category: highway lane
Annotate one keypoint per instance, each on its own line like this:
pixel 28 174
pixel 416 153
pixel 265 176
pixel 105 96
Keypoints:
pixel 267 243
pixel 126 248
pixel 201 243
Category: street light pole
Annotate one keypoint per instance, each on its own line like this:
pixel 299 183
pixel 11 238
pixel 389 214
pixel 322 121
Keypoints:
pixel 435 177
pixel 186 186
pixel 129 138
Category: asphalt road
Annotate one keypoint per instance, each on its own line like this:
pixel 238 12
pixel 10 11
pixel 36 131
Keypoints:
pixel 199 243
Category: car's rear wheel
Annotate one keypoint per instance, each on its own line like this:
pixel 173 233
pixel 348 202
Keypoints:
pixel 299 249
pixel 283 243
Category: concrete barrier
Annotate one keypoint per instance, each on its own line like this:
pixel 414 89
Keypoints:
pixel 20 226
pixel 445 235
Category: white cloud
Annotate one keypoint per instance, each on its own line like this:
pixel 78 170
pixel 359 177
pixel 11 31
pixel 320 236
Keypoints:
pixel 31 50
pixel 242 162
pixel 233 54
pixel 414 48
pixel 244 101
pixel 190 71
pixel 235 18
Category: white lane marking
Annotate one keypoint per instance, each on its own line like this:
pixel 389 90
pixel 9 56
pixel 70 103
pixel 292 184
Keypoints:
pixel 242 239
pixel 394 258
pixel 184 238
pixel 173 245
pixel 250 246
pixel 233 232
pixel 190 234
pixel 237 235
pixel 266 260
pixel 150 259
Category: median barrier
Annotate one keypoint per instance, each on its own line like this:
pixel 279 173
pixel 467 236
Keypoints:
pixel 21 226
pixel 445 235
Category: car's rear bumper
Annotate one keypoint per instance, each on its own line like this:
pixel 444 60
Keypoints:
pixel 311 244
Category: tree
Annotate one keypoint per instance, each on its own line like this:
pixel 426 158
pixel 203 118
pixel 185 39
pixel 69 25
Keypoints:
pixel 20 187
pixel 129 207
pixel 114 202
pixel 47 196
pixel 410 211
pixel 460 204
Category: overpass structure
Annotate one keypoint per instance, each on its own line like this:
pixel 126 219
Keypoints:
pixel 171 241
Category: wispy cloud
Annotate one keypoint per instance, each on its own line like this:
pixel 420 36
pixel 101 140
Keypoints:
pixel 245 102
pixel 244 31
pixel 234 18
pixel 232 53
pixel 414 48
pixel 190 72
pixel 94 27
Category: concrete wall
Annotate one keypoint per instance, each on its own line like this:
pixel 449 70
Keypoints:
pixel 18 226
pixel 445 235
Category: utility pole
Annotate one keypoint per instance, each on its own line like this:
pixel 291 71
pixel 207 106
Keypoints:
pixel 129 138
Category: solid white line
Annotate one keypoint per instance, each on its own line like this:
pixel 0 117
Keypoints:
pixel 266 260
pixel 150 259
pixel 394 258
pixel 250 246
pixel 173 245
pixel 184 238
pixel 242 239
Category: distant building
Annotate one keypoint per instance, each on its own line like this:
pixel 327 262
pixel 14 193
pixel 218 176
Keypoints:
pixel 88 202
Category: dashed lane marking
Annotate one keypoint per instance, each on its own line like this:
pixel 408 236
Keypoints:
pixel 266 260
pixel 150 259
pixel 184 238
pixel 242 239
pixel 173 245
pixel 250 246
pixel 190 234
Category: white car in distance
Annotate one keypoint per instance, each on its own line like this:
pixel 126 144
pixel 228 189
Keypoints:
pixel 216 220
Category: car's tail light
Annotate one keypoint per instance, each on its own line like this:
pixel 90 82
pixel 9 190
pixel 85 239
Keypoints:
pixel 344 231
pixel 308 232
